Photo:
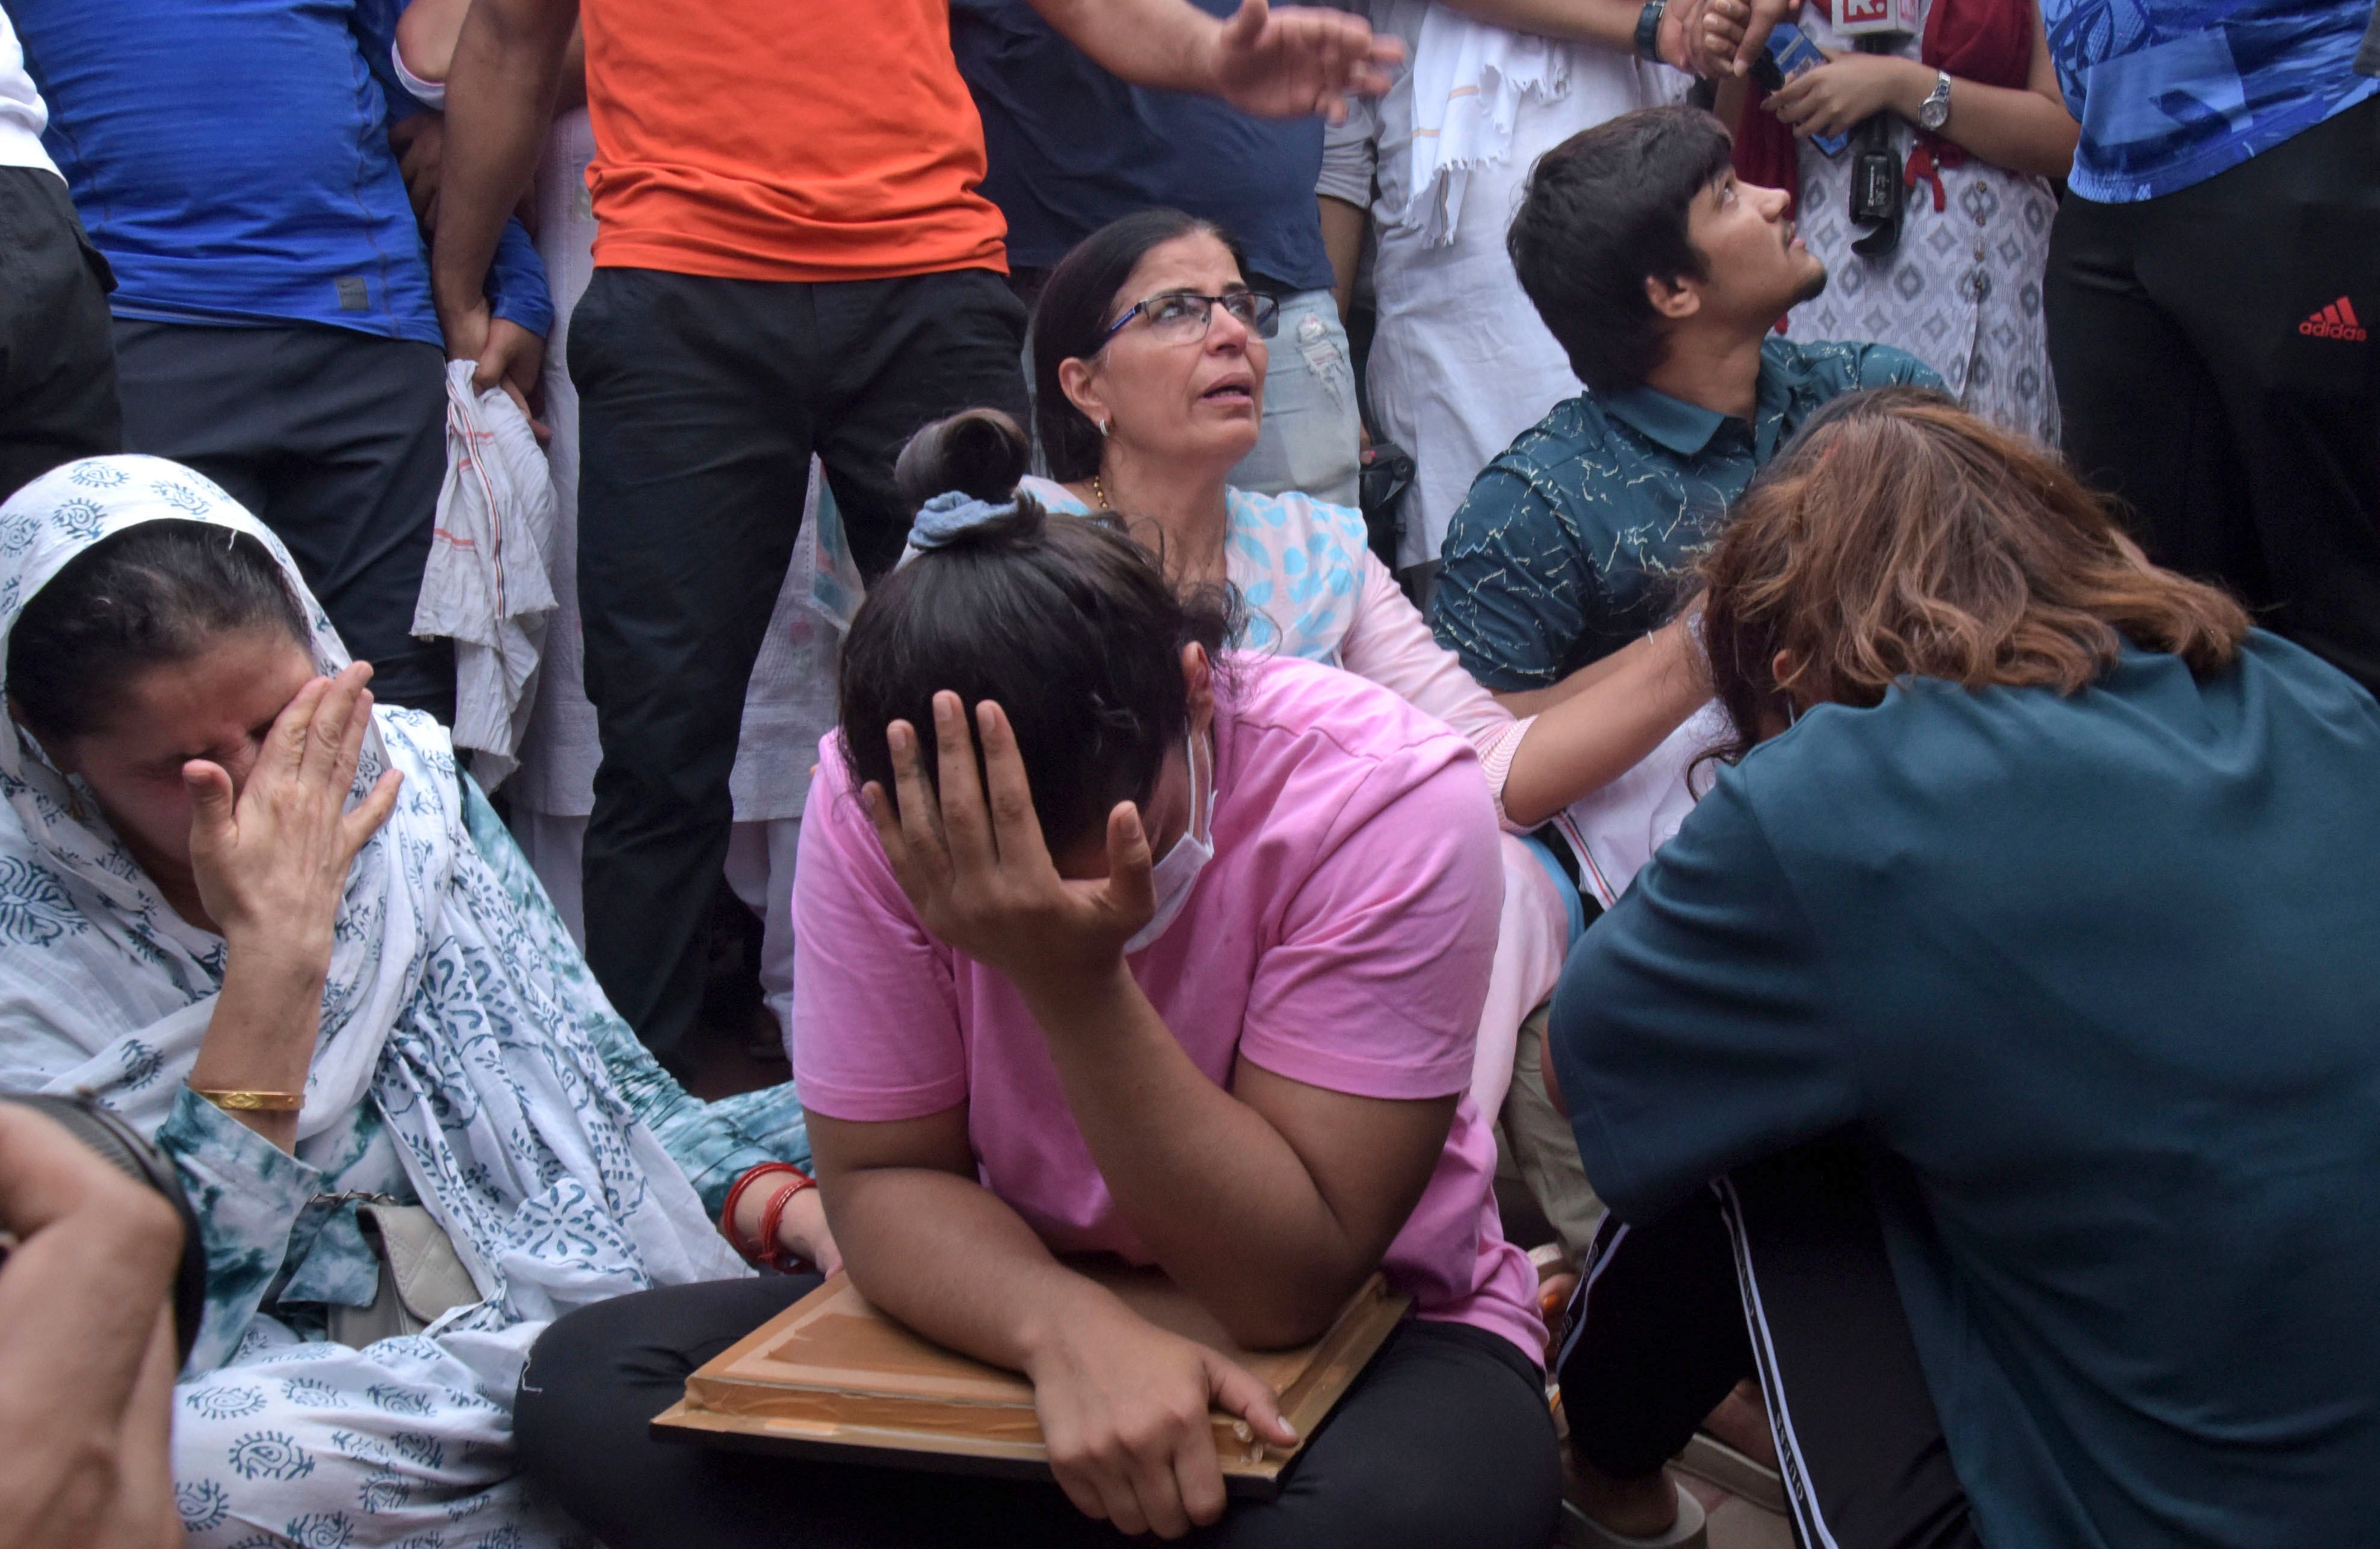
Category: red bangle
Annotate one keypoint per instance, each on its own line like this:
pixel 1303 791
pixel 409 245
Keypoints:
pixel 754 1253
pixel 782 1260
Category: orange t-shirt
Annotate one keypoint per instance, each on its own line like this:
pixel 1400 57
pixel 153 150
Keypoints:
pixel 829 139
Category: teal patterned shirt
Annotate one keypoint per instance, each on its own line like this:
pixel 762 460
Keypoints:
pixel 1570 543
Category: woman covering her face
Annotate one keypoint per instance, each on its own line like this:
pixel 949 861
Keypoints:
pixel 1114 942
pixel 1150 355
pixel 224 870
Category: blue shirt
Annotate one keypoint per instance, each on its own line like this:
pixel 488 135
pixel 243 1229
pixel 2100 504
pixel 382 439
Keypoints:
pixel 2169 93
pixel 1569 544
pixel 1071 148
pixel 231 158
pixel 2099 974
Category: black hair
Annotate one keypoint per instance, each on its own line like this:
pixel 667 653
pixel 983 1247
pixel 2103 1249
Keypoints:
pixel 1068 624
pixel 1077 307
pixel 148 595
pixel 1604 211
pixel 976 451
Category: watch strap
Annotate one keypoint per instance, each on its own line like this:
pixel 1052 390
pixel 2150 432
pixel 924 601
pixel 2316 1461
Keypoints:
pixel 1935 111
pixel 1649 30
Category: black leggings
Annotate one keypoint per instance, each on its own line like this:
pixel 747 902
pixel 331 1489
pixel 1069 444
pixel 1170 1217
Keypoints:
pixel 2210 377
pixel 1778 1272
pixel 1444 1442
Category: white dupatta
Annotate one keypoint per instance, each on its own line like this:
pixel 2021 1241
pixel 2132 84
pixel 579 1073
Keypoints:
pixel 437 1007
pixel 1469 79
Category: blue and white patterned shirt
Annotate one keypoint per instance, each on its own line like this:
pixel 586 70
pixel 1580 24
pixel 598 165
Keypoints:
pixel 2169 93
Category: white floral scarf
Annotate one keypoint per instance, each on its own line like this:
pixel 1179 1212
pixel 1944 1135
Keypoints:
pixel 508 1123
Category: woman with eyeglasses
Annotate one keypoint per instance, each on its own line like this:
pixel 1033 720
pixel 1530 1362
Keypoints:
pixel 1148 364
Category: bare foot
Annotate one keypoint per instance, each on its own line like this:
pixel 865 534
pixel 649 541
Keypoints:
pixel 1742 1422
pixel 1553 1296
pixel 1645 1508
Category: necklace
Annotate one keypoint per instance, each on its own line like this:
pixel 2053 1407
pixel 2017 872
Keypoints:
pixel 1099 494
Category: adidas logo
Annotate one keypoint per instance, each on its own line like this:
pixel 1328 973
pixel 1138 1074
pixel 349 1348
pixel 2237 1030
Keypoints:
pixel 2336 320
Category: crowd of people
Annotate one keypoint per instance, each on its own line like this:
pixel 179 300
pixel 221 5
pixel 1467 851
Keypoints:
pixel 1760 614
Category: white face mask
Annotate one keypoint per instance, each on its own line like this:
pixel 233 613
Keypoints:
pixel 1174 876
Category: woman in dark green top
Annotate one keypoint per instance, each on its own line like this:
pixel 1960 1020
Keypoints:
pixel 2050 897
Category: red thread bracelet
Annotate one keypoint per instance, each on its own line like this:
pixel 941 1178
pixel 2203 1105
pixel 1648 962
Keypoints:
pixel 751 1252
pixel 778 1258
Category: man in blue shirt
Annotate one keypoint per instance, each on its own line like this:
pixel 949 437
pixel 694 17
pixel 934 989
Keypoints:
pixel 1661 276
pixel 273 325
pixel 2214 280
pixel 1070 147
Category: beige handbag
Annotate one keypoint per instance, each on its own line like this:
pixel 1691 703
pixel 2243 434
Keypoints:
pixel 421 1277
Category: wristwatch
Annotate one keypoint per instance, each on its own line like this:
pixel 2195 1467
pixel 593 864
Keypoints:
pixel 1649 30
pixel 1935 111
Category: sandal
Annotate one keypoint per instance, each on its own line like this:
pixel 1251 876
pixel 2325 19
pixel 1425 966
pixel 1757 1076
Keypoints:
pixel 1746 1477
pixel 1579 1531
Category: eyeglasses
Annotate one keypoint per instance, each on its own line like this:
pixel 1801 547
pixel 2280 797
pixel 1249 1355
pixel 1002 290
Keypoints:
pixel 1183 317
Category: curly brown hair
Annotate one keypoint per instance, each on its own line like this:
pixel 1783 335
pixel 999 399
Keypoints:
pixel 1898 536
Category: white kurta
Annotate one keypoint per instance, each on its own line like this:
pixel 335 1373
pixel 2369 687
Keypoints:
pixel 1460 363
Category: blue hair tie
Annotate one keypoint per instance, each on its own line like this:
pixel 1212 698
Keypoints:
pixel 952 513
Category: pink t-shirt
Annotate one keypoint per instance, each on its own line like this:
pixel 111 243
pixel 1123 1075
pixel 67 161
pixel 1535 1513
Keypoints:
pixel 1340 936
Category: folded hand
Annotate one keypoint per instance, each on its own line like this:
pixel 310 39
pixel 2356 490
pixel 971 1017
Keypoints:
pixel 1734 32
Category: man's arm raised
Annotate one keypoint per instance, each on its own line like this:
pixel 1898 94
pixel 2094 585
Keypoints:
pixel 1277 64
pixel 508 68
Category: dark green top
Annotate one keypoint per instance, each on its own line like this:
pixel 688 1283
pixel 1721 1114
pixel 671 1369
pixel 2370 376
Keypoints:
pixel 2103 974
pixel 1566 547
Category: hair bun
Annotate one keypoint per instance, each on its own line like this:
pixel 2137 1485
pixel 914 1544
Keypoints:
pixel 982 452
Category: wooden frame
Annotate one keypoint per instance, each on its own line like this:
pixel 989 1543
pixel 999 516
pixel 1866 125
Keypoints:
pixel 833 1379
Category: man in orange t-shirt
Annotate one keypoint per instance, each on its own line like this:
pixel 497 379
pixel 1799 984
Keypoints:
pixel 791 257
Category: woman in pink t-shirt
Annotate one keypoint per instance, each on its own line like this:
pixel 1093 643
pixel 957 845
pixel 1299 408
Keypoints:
pixel 1019 1036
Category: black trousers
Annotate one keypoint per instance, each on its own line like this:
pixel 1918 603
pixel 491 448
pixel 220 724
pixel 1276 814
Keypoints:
pixel 1777 1273
pixel 700 403
pixel 2211 379
pixel 57 360
pixel 1444 1442
pixel 337 441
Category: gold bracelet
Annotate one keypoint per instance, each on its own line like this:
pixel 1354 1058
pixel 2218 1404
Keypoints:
pixel 254 1102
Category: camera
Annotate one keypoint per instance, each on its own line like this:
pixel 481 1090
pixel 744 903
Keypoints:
pixel 1875 186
